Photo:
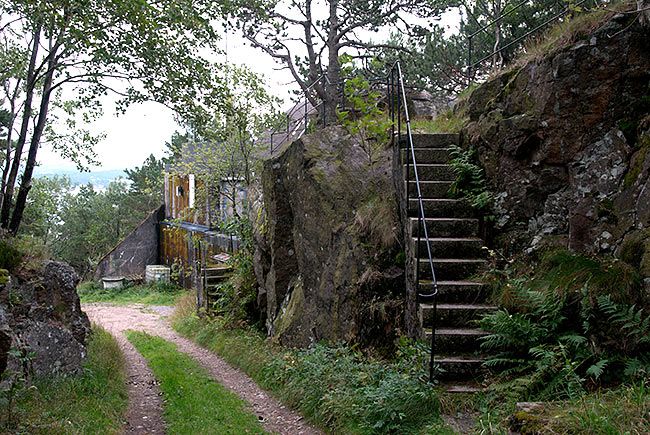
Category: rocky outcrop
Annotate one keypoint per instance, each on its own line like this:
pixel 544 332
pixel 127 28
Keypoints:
pixel 323 262
pixel 564 141
pixel 41 318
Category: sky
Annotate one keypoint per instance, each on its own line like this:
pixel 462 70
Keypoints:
pixel 144 128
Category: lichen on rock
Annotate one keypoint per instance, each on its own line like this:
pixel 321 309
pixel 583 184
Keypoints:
pixel 311 252
pixel 563 141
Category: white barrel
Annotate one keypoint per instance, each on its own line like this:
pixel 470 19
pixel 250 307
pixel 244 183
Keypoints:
pixel 113 281
pixel 157 272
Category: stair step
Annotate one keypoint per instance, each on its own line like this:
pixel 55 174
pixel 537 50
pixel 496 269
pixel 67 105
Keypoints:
pixel 427 155
pixel 447 227
pixel 459 367
pixel 430 189
pixel 450 247
pixel 451 268
pixel 432 171
pixel 432 140
pixel 441 208
pixel 464 388
pixel 456 340
pixel 456 315
pixel 457 291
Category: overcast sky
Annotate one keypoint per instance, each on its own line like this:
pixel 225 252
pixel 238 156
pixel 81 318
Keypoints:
pixel 144 128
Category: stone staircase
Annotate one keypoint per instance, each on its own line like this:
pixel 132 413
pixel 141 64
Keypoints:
pixel 457 253
pixel 215 274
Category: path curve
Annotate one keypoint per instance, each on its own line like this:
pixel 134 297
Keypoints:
pixel 273 416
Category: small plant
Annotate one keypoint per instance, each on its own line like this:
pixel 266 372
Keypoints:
pixel 13 387
pixel 470 182
pixel 364 119
pixel 10 257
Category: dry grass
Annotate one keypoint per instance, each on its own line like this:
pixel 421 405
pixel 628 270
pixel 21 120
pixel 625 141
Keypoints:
pixel 568 32
pixel 378 221
pixel 185 307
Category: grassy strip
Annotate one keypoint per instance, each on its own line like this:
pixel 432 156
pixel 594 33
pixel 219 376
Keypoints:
pixel 93 402
pixel 335 387
pixel 194 403
pixel 156 294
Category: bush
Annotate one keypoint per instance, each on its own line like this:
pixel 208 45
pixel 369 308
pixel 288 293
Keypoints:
pixel 10 257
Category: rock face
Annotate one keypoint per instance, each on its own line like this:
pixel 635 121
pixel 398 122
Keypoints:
pixel 323 266
pixel 564 142
pixel 43 316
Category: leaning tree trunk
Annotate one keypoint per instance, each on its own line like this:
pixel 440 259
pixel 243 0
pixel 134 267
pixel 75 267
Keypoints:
pixel 26 181
pixel 8 191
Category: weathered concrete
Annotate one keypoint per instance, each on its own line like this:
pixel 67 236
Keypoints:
pixel 132 255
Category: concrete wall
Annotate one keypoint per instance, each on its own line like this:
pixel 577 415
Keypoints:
pixel 136 251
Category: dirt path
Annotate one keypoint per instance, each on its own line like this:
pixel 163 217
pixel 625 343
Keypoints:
pixel 146 403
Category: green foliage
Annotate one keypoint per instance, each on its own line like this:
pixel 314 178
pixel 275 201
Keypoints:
pixel 159 293
pixel 470 180
pixel 563 330
pixel 364 119
pixel 335 386
pixel 448 121
pixel 10 257
pixel 238 296
pixel 194 402
pixel 93 402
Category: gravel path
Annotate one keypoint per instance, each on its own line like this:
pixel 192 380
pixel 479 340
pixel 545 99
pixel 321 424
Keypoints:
pixel 145 410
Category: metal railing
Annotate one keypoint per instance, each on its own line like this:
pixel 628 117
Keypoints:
pixel 472 66
pixel 296 125
pixel 396 94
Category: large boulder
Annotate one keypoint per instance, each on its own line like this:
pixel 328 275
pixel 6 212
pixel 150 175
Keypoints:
pixel 323 262
pixel 564 141
pixel 41 318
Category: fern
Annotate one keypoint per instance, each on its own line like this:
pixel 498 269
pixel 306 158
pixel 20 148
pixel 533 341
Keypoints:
pixel 638 367
pixel 597 369
pixel 632 320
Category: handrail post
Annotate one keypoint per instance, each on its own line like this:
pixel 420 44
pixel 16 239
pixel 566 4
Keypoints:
pixel 469 62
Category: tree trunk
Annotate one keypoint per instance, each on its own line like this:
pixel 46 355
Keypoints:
pixel 26 181
pixel 8 192
pixel 331 91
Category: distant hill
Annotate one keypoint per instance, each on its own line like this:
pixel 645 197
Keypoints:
pixel 99 179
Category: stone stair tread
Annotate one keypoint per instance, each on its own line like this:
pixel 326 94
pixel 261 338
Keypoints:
pixel 442 219
pixel 461 306
pixel 450 239
pixel 458 331
pixel 454 260
pixel 459 283
pixel 461 388
pixel 459 359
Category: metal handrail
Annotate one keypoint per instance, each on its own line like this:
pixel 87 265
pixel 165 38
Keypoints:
pixel 323 80
pixel 471 65
pixel 396 75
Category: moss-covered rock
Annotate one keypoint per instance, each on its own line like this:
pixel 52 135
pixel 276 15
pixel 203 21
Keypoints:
pixel 564 142
pixel 318 241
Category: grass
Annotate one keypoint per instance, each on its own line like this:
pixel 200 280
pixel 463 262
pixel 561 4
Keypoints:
pixel 154 294
pixel 93 402
pixel 448 121
pixel 334 386
pixel 194 403
pixel 569 31
pixel 624 410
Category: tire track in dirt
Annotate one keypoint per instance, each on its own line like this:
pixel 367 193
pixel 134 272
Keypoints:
pixel 273 416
